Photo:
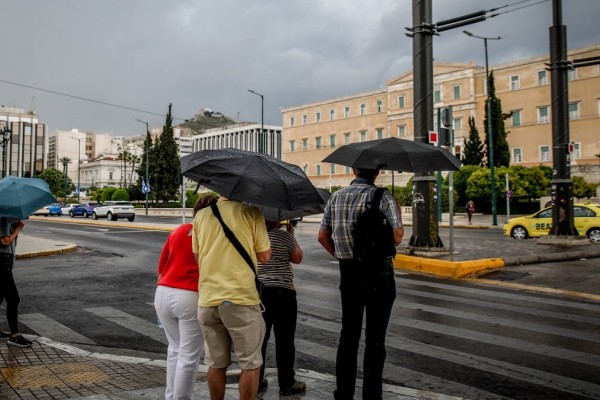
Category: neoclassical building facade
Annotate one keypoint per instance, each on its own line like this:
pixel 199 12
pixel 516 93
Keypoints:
pixel 312 131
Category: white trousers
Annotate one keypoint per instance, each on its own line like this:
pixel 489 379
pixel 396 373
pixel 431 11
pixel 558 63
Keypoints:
pixel 177 311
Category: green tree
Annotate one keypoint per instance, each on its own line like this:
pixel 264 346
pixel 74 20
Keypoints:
pixel 583 189
pixel 166 183
pixel 107 193
pixel 55 180
pixel 501 151
pixel 123 156
pixel 148 154
pixel 473 153
pixel 120 194
pixel 460 183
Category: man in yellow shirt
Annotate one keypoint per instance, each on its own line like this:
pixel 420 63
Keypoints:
pixel 229 310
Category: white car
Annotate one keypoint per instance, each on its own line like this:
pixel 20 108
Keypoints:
pixel 66 210
pixel 113 210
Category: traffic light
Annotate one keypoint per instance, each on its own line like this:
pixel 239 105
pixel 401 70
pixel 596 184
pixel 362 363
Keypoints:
pixel 433 138
pixel 444 139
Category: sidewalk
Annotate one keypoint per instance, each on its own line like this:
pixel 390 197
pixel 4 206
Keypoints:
pixel 51 370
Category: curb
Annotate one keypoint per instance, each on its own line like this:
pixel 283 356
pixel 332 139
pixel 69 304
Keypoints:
pixel 117 224
pixel 450 269
pixel 71 248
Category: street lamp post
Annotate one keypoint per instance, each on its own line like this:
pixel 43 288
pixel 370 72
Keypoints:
pixel 6 135
pixel 78 165
pixel 146 150
pixel 262 118
pixel 489 126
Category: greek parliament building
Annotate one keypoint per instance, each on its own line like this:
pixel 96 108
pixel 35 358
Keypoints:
pixel 23 150
pixel 313 131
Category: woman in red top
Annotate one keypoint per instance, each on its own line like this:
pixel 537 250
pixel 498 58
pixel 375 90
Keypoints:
pixel 176 303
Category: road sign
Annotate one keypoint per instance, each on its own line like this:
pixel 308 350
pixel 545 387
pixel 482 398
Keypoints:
pixel 509 193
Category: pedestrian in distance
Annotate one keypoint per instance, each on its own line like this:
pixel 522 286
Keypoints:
pixel 176 303
pixel 281 306
pixel 229 307
pixel 366 285
pixel 470 208
pixel 9 231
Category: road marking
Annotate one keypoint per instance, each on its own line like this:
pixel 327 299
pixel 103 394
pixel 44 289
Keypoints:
pixel 45 326
pixel 136 324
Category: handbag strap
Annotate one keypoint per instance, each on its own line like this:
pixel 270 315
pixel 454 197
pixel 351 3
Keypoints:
pixel 234 240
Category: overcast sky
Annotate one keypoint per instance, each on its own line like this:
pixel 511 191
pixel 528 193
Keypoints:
pixel 145 54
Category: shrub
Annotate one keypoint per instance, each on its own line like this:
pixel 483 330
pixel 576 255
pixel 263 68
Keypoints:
pixel 107 194
pixel 120 194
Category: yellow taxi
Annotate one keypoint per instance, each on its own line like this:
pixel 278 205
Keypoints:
pixel 586 219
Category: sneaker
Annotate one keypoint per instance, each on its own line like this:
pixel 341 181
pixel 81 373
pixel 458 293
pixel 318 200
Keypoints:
pixel 263 385
pixel 297 387
pixel 4 335
pixel 18 341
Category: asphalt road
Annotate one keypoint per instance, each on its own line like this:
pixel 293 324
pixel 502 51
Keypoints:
pixel 453 337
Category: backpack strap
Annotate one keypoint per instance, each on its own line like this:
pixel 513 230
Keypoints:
pixel 378 196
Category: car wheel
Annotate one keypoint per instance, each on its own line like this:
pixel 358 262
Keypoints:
pixel 72 214
pixel 594 235
pixel 85 214
pixel 109 216
pixel 131 218
pixel 94 216
pixel 519 232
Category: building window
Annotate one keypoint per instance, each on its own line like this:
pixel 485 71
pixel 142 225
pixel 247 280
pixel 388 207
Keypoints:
pixel 456 92
pixel 347 138
pixel 305 168
pixel 363 136
pixel 317 117
pixel 437 93
pixel 544 153
pixel 457 124
pixel 332 169
pixel 363 109
pixel 515 117
pixel 347 170
pixel 346 112
pixel 517 155
pixel 543 115
pixel 573 110
pixel 110 176
pixel 379 105
pixel 292 121
pixel 515 82
pixel 304 119
pixel 331 115
pixel 292 145
pixel 318 168
pixel 572 74
pixel 318 142
pixel 401 101
pixel 401 131
pixel 542 78
pixel 332 141
pixel 379 133
pixel 305 144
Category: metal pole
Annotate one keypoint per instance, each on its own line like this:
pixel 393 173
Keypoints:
pixel 6 133
pixel 262 119
pixel 78 165
pixel 507 198
pixel 146 151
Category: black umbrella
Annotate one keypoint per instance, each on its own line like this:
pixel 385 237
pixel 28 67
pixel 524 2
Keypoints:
pixel 396 155
pixel 251 177
pixel 277 214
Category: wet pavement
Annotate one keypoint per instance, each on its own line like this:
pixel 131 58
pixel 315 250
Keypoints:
pixel 52 370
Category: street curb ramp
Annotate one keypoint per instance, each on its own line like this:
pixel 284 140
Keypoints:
pixel 450 269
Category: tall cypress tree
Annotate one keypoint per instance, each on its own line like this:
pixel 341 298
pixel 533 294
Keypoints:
pixel 473 153
pixel 501 151
pixel 167 162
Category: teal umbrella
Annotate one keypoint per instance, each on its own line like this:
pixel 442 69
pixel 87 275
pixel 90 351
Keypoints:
pixel 21 197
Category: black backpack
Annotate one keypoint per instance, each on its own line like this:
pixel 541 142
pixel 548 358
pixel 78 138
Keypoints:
pixel 373 235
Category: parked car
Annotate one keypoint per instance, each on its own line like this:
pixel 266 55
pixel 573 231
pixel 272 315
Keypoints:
pixel 66 209
pixel 52 209
pixel 113 210
pixel 89 208
pixel 586 219
pixel 77 210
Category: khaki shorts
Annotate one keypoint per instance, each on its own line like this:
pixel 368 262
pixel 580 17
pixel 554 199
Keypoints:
pixel 227 324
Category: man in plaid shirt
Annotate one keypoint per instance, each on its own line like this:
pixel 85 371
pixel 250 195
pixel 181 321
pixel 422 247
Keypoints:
pixel 365 286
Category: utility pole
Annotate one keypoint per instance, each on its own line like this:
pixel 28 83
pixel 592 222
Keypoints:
pixel 261 143
pixel 562 185
pixel 146 145
pixel 425 224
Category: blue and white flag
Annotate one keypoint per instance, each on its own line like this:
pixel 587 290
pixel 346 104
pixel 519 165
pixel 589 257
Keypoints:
pixel 77 191
pixel 145 187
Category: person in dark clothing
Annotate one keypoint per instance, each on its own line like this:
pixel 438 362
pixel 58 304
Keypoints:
pixel 365 286
pixel 9 230
pixel 281 307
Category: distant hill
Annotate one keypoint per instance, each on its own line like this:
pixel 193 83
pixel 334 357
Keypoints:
pixel 206 119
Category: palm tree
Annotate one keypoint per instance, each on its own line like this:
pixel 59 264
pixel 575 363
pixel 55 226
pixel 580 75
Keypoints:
pixel 65 161
pixel 133 160
pixel 123 156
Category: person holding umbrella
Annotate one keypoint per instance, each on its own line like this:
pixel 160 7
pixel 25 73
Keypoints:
pixel 365 285
pixel 9 231
pixel 229 307
pixel 281 306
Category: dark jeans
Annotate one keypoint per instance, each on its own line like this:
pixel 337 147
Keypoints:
pixel 281 309
pixel 8 291
pixel 366 287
